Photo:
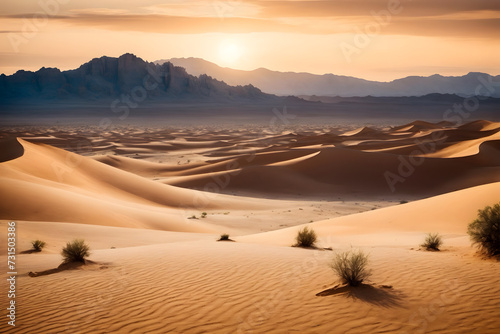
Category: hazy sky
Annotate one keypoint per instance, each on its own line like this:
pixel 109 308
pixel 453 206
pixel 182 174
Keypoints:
pixel 372 39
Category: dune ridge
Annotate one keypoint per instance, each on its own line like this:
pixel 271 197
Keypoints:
pixel 157 267
pixel 57 185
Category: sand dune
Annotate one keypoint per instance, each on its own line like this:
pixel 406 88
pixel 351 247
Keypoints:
pixel 340 172
pixel 10 149
pixel 156 271
pixel 56 185
pixel 447 214
pixel 205 286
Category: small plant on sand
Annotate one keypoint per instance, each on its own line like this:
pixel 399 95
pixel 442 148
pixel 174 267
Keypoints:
pixel 224 237
pixel 350 266
pixel 75 251
pixel 432 241
pixel 485 230
pixel 38 245
pixel 305 238
pixel 203 215
pixel 403 202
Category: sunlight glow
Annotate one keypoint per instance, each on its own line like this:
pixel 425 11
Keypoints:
pixel 229 53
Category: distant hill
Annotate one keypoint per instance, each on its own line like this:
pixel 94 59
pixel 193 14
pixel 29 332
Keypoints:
pixel 106 78
pixel 429 99
pixel 130 88
pixel 291 83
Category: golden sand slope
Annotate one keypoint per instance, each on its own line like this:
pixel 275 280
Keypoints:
pixel 180 280
pixel 207 286
pixel 189 283
pixel 448 214
pixel 346 173
pixel 50 184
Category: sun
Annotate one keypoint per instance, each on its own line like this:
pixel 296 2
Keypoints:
pixel 230 52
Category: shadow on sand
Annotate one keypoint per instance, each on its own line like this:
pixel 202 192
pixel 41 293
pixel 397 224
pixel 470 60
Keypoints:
pixel 30 251
pixel 382 295
pixel 62 267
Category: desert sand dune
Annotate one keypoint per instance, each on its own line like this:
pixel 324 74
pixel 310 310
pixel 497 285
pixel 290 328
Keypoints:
pixel 416 126
pixel 56 185
pixel 448 214
pixel 364 132
pixel 480 125
pixel 344 172
pixel 154 270
pixel 205 286
pixel 140 166
pixel 10 149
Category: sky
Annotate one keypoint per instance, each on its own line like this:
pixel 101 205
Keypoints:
pixel 372 39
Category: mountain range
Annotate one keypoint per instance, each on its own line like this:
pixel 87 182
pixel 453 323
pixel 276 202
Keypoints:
pixel 291 83
pixel 127 77
pixel 114 85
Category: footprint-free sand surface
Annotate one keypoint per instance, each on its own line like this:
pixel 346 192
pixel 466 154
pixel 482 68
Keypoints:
pixel 136 195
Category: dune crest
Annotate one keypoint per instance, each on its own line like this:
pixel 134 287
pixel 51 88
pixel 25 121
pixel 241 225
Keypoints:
pixel 57 185
pixel 10 149
pixel 158 265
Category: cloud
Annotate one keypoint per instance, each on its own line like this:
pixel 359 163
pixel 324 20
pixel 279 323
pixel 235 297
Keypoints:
pixel 336 8
pixel 179 24
pixel 167 24
pixel 476 28
pixel 200 8
pixel 458 18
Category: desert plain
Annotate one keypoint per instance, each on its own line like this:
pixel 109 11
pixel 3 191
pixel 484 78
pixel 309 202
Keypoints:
pixel 151 203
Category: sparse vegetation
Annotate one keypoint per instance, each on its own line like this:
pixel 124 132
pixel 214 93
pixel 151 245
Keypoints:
pixel 224 237
pixel 75 251
pixel 305 238
pixel 432 241
pixel 203 215
pixel 351 267
pixel 38 245
pixel 485 230
pixel 403 202
pixel 193 217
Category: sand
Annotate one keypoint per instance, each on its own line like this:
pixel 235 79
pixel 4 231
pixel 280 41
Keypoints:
pixel 131 193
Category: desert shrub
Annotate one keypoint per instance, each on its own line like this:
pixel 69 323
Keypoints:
pixel 305 237
pixel 203 215
pixel 224 237
pixel 38 245
pixel 485 230
pixel 75 251
pixel 351 267
pixel 432 241
pixel 403 202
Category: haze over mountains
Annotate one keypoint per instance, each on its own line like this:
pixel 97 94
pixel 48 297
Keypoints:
pixel 168 91
pixel 291 83
pixel 181 79
pixel 107 77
